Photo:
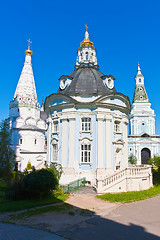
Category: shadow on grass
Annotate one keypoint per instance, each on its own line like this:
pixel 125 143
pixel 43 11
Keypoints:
pixel 18 205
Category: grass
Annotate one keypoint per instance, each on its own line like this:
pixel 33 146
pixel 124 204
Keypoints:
pixel 64 208
pixel 13 206
pixel 127 197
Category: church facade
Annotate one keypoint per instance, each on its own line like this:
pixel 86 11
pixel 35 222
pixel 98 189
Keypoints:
pixel 88 120
pixel 143 143
pixel 27 120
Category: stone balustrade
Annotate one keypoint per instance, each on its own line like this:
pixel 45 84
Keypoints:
pixel 130 178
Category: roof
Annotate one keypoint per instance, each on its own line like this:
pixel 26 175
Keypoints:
pixel 86 81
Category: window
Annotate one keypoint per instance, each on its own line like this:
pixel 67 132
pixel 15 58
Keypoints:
pixel 86 55
pixel 55 152
pixel 141 97
pixel 140 89
pixel 85 153
pixel 117 126
pixel 35 141
pixel 139 79
pixel 46 143
pixel 55 127
pixel 86 124
pixel 20 141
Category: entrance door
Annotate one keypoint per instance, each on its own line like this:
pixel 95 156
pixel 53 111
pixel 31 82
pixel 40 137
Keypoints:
pixel 145 155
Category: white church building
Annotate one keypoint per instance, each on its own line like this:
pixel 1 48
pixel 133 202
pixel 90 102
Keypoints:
pixel 86 123
pixel 27 120
pixel 142 140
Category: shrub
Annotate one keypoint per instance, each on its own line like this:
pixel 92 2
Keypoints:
pixel 155 161
pixel 29 166
pixel 39 183
pixel 132 159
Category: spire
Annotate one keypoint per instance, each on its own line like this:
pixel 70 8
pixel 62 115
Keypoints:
pixel 86 41
pixel 140 95
pixel 139 70
pixel 26 90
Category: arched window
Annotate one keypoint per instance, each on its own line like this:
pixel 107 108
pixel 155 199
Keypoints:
pixel 55 127
pixel 20 141
pixel 117 126
pixel 87 56
pixel 35 141
pixel 55 152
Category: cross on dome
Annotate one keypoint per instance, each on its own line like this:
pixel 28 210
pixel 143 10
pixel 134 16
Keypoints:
pixel 86 41
pixel 28 51
pixel 29 43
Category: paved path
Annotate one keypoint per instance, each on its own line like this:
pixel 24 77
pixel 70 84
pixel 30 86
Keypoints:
pixel 15 232
pixel 134 221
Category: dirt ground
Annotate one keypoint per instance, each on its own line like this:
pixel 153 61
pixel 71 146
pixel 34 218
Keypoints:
pixel 83 207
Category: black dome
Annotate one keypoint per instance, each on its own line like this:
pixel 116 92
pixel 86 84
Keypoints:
pixel 87 81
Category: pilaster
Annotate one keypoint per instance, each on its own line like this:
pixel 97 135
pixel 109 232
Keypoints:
pixel 100 118
pixel 71 141
pixel 64 142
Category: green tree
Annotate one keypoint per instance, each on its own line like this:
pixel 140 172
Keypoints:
pixel 28 167
pixel 7 156
pixel 155 161
pixel 132 159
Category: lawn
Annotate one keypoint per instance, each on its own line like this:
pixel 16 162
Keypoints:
pixel 13 206
pixel 127 197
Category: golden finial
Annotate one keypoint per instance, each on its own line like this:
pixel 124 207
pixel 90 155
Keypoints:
pixel 28 51
pixel 86 41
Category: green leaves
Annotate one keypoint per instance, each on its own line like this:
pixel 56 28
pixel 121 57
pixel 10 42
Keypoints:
pixel 7 156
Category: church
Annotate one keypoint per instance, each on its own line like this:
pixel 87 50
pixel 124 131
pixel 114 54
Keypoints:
pixel 143 143
pixel 83 127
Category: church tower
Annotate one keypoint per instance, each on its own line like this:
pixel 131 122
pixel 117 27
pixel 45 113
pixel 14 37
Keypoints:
pixel 142 139
pixel 28 129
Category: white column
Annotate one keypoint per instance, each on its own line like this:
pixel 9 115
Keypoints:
pixel 49 133
pixel 100 118
pixel 124 160
pixel 71 142
pixel 108 143
pixel 64 142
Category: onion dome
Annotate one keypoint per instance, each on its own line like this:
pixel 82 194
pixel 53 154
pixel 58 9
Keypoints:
pixel 28 51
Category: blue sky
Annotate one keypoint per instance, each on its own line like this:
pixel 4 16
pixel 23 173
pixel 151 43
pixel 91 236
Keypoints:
pixel 123 32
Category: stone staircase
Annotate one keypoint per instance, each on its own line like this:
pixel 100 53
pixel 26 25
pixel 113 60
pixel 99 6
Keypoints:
pixel 128 179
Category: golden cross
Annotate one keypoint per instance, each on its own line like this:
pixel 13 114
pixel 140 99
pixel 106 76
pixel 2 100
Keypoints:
pixel 29 43
pixel 86 27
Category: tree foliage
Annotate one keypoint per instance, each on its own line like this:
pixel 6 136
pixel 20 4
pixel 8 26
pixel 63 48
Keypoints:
pixel 39 183
pixel 155 161
pixel 7 156
pixel 132 159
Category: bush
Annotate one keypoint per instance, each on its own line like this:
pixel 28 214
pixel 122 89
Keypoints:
pixel 132 159
pixel 155 161
pixel 39 183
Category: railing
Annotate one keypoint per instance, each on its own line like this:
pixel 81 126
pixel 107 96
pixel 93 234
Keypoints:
pixel 129 172
pixel 72 186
